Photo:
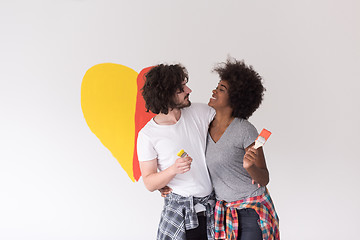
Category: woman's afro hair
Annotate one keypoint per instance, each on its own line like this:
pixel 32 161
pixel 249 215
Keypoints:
pixel 245 86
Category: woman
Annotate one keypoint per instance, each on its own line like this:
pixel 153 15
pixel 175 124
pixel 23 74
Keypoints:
pixel 238 171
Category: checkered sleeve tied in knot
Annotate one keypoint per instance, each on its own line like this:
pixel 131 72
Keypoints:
pixel 179 215
pixel 264 207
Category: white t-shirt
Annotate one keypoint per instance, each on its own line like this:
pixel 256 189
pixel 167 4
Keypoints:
pixel 165 141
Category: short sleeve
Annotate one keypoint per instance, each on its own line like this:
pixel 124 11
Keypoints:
pixel 203 112
pixel 145 149
pixel 211 114
pixel 250 134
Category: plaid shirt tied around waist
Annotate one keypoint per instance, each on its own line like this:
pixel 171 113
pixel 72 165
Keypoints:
pixel 263 205
pixel 179 215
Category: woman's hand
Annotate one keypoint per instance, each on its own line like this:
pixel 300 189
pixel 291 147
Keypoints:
pixel 165 191
pixel 254 163
pixel 250 157
pixel 253 182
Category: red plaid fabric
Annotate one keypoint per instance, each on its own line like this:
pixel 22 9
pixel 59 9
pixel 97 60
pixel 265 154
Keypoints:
pixel 263 205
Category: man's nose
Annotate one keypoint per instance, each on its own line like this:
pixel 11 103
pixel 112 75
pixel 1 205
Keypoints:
pixel 187 89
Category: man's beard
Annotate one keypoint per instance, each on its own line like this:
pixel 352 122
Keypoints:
pixel 183 105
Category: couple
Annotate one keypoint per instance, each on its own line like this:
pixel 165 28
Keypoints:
pixel 218 141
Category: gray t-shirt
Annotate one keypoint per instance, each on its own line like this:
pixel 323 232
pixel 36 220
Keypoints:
pixel 224 159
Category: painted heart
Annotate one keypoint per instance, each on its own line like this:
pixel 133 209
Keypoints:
pixel 115 111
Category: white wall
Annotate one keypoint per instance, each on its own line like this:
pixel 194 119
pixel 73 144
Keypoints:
pixel 58 182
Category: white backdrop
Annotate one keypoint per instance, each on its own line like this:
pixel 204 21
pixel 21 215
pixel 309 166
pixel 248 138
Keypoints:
pixel 57 181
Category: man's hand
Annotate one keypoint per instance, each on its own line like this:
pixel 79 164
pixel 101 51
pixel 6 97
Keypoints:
pixel 182 165
pixel 165 191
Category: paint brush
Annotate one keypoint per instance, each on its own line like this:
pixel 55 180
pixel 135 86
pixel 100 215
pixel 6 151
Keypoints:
pixel 262 138
pixel 182 153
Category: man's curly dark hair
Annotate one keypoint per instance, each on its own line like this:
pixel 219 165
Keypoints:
pixel 161 84
pixel 246 90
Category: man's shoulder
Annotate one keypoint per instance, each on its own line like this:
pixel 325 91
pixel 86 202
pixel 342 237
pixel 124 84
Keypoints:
pixel 147 128
pixel 199 108
pixel 200 113
pixel 199 105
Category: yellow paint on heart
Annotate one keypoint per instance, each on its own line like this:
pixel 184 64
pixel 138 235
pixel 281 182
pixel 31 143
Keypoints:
pixel 108 100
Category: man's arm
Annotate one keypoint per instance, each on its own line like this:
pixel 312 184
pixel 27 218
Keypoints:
pixel 155 180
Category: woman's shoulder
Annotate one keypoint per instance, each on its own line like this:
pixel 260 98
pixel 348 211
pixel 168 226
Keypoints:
pixel 243 124
pixel 246 131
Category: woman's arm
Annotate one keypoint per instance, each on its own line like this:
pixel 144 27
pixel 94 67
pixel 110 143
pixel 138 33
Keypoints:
pixel 255 165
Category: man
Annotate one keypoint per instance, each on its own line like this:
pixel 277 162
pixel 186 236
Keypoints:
pixel 188 209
